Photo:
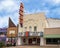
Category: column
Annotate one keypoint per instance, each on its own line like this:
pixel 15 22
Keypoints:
pixel 27 41
pixel 45 41
pixel 41 41
pixel 6 39
pixel 19 41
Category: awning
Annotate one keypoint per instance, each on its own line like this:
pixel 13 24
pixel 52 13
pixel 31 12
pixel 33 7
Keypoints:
pixel 52 36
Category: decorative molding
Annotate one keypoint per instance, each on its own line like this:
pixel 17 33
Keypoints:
pixel 29 20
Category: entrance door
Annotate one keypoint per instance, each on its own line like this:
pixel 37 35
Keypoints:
pixel 38 41
pixel 30 41
pixel 34 41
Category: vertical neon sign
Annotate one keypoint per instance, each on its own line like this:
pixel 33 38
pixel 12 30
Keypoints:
pixel 21 14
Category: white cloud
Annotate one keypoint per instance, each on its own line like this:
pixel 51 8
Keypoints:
pixel 5 4
pixel 53 1
pixel 56 1
pixel 9 5
pixel 3 21
pixel 11 8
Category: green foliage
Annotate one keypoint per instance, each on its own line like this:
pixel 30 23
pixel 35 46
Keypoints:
pixel 2 44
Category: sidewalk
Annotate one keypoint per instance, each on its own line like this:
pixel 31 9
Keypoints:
pixel 35 47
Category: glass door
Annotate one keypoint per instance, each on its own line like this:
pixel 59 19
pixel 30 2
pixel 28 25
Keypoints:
pixel 30 41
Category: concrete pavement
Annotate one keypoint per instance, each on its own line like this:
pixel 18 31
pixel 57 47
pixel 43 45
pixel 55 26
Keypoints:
pixel 34 46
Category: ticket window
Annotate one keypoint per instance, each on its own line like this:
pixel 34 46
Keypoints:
pixel 24 41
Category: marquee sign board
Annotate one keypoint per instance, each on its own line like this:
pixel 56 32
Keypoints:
pixel 21 34
pixel 12 32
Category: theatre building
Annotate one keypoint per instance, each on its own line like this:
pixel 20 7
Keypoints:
pixel 31 28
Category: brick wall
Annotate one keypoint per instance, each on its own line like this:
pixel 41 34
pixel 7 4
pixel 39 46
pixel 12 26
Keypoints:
pixel 14 29
pixel 52 31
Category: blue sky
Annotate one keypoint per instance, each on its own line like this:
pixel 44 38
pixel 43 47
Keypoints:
pixel 10 8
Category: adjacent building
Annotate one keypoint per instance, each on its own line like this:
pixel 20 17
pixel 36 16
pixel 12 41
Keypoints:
pixel 11 33
pixel 3 32
pixel 52 36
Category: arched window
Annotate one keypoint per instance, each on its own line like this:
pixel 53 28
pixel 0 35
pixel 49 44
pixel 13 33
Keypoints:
pixel 35 28
pixel 25 29
pixel 30 28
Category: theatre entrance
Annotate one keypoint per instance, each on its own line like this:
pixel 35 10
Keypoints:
pixel 34 41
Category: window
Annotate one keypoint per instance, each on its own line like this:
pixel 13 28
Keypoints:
pixel 41 34
pixel 25 29
pixel 52 40
pixel 35 28
pixel 30 28
pixel 12 32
